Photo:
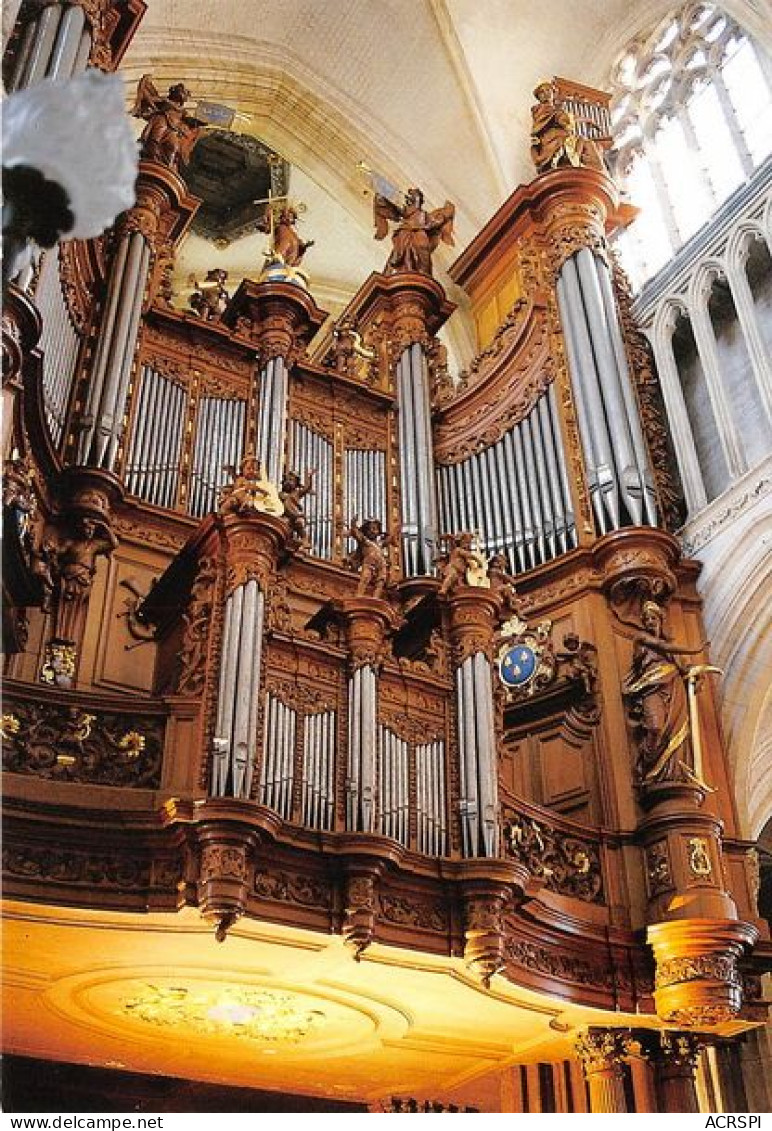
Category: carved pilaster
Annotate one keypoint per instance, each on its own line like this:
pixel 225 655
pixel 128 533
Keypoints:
pixel 602 1053
pixel 675 1064
pixel 574 208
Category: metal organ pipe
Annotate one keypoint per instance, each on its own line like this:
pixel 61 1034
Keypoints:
pixel 515 492
pixel 617 463
pixel 419 505
pixel 59 343
pixel 312 450
pixel 67 45
pixel 218 447
pixel 272 417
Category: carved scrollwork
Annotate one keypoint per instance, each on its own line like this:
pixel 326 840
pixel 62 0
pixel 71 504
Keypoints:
pixel 413 912
pixel 552 964
pixel 196 619
pixel 68 744
pixel 569 864
pixel 122 872
pixel 293 887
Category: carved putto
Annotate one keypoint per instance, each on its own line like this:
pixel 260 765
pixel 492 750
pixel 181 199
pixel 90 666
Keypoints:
pixel 170 133
pixel 554 137
pixel 371 556
pixel 463 564
pixel 251 492
pixel 210 300
pixel 293 491
pixel 502 583
pixel 417 232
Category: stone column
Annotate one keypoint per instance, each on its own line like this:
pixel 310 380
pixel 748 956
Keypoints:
pixel 675 1065
pixel 602 1053
pixel 473 621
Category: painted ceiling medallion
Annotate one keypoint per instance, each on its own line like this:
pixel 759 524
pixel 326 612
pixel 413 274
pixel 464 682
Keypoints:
pixel 256 1015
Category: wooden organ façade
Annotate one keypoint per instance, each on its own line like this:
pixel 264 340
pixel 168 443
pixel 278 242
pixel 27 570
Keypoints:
pixel 360 648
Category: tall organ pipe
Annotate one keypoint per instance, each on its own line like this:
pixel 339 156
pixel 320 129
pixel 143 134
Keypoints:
pixel 56 43
pixel 419 504
pixel 59 343
pixel 362 750
pixel 111 372
pixel 618 468
pixel 272 417
pixel 236 720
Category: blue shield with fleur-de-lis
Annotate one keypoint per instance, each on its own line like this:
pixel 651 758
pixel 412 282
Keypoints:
pixel 517 665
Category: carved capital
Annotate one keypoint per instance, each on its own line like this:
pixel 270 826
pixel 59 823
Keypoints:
pixel 474 615
pixel 367 623
pixel 602 1051
pixel 697 982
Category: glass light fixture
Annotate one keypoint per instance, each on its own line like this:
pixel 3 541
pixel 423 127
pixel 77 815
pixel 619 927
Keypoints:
pixel 69 163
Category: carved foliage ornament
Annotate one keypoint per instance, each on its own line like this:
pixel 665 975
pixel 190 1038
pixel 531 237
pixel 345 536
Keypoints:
pixel 68 744
pixel 569 865
pixel 196 619
pixel 602 1050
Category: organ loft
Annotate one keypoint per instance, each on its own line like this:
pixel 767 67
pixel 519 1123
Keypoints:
pixel 356 710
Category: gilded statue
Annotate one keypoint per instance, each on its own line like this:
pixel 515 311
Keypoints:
pixel 463 564
pixel 293 491
pixel 554 137
pixel 371 556
pixel 417 234
pixel 170 133
pixel 250 492
pixel 656 690
pixel 287 248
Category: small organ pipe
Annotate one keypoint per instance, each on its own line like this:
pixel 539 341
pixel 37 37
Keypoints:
pixel 241 708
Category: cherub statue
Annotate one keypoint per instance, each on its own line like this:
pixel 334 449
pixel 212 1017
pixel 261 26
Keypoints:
pixel 417 234
pixel 250 492
pixel 371 556
pixel 286 245
pixel 655 690
pixel 170 133
pixel 292 491
pixel 554 137
pixel 209 302
pixel 463 564
pixel 581 660
pixel 502 583
pixel 349 347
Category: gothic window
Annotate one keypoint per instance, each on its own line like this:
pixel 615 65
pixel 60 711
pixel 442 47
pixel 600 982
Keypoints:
pixel 692 117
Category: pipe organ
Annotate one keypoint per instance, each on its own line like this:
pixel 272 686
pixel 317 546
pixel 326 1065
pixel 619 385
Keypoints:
pixel 219 445
pixel 621 484
pixel 60 342
pixel 153 465
pixel 235 732
pixel 447 753
pixel 318 780
pixel 56 43
pixel 419 503
pixel 272 420
pixel 309 450
pixel 514 493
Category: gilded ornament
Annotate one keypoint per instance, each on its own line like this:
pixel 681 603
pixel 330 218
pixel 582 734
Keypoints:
pixel 463 563
pixel 699 857
pixel 250 492
pixel 526 661
pixel 132 744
